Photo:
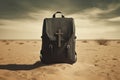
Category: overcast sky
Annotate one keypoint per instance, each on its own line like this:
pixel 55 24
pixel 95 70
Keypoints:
pixel 94 19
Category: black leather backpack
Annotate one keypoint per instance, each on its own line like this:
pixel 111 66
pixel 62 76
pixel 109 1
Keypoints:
pixel 58 40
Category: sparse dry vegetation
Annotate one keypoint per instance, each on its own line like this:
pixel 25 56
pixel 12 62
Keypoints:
pixel 7 43
pixel 84 41
pixel 21 43
pixel 4 40
pixel 118 42
pixel 102 42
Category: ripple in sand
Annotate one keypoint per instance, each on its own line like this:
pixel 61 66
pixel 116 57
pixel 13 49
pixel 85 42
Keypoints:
pixel 1 58
pixel 9 49
pixel 2 78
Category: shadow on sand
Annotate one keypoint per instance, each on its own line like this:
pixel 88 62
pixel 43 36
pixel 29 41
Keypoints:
pixel 15 67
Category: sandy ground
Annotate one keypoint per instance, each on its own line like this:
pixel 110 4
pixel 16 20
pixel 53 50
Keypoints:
pixel 97 60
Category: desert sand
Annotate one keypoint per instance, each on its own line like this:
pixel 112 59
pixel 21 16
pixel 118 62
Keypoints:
pixel 97 60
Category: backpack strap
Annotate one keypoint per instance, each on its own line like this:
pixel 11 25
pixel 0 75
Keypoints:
pixel 69 43
pixel 51 48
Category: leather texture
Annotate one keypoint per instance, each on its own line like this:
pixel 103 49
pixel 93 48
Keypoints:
pixel 58 41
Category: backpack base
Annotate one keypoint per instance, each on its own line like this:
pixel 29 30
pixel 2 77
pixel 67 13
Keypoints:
pixel 54 61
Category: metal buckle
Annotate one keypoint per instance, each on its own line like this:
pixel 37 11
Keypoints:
pixel 68 46
pixel 50 46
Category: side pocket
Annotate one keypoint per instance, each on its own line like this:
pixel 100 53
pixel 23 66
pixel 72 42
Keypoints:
pixel 71 50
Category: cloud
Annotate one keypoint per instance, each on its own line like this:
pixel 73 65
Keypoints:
pixel 113 11
pixel 20 9
pixel 12 9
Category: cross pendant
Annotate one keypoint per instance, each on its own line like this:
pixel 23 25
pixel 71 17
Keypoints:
pixel 59 34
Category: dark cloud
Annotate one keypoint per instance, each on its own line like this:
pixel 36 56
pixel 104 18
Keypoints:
pixel 15 9
pixel 111 14
pixel 10 9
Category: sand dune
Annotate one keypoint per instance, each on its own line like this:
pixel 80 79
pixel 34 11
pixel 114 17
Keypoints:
pixel 97 60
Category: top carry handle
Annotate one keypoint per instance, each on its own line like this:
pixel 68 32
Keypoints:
pixel 58 12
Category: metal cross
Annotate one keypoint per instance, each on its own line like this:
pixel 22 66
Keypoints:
pixel 59 37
